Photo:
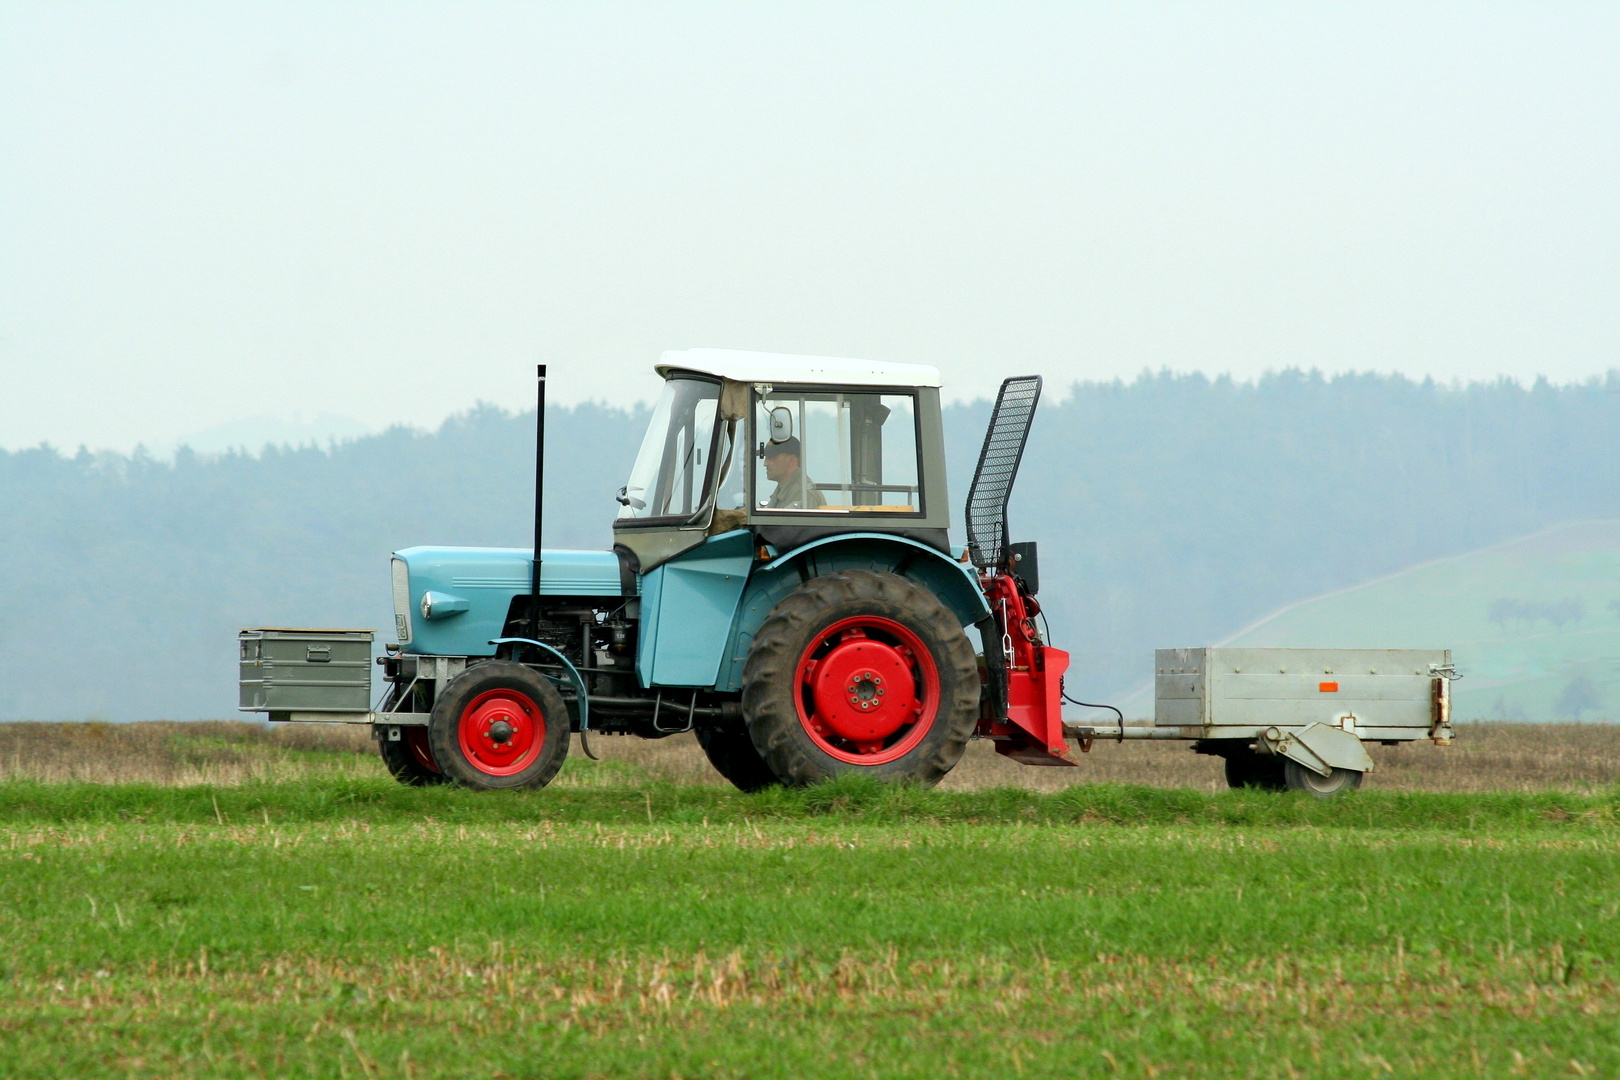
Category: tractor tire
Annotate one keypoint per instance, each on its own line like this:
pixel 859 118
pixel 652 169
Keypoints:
pixel 732 753
pixel 499 725
pixel 860 672
pixel 1247 769
pixel 410 760
pixel 1299 778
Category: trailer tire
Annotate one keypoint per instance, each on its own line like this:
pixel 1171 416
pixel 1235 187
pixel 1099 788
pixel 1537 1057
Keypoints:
pixel 1247 769
pixel 814 692
pixel 410 760
pixel 499 725
pixel 732 753
pixel 1299 778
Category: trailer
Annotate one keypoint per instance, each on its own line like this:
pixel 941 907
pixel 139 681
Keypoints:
pixel 1294 719
pixel 783 586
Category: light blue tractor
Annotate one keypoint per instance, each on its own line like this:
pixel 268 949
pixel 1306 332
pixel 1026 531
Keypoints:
pixel 781 585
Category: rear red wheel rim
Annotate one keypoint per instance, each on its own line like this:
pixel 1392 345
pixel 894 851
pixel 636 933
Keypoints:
pixel 416 739
pixel 867 690
pixel 501 732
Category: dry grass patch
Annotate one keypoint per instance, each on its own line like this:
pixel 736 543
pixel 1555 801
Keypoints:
pixel 446 1013
pixel 1485 757
pixel 1542 979
pixel 173 753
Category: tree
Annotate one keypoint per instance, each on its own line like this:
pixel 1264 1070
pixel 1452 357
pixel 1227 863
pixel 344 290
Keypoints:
pixel 1564 611
pixel 1579 695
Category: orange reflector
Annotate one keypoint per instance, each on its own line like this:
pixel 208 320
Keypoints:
pixel 1328 687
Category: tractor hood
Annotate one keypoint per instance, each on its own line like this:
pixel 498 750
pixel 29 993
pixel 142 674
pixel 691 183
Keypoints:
pixel 453 600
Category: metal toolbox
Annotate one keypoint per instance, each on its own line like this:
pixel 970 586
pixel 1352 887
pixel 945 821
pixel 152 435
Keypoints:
pixel 1376 694
pixel 287 671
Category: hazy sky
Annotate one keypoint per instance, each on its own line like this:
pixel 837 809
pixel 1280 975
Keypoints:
pixel 387 212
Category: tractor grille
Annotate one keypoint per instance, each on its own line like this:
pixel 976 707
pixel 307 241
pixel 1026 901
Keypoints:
pixel 998 468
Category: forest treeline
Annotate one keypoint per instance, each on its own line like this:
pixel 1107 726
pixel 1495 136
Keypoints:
pixel 1171 510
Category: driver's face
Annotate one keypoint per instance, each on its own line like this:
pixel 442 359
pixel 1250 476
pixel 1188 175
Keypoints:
pixel 779 467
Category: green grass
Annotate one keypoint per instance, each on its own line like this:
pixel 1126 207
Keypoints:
pixel 378 800
pixel 362 929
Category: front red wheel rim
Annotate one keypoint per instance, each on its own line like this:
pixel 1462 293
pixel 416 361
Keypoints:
pixel 867 690
pixel 501 732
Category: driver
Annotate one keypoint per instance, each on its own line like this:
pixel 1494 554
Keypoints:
pixel 794 489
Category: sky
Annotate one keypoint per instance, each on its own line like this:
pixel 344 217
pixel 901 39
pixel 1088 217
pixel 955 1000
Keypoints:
pixel 331 217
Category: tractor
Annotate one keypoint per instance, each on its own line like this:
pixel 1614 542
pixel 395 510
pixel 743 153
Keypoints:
pixel 782 585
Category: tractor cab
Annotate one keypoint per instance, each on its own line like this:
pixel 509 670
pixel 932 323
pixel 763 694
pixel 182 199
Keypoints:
pixel 790 448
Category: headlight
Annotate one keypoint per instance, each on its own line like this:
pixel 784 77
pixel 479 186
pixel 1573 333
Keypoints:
pixel 438 605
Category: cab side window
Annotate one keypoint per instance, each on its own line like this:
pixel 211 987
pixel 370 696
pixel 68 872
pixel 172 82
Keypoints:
pixel 819 452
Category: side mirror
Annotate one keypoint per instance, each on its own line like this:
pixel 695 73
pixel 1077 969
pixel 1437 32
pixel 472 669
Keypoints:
pixel 781 424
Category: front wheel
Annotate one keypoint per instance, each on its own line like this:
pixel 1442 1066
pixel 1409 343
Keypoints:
pixel 499 725
pixel 860 672
pixel 1299 778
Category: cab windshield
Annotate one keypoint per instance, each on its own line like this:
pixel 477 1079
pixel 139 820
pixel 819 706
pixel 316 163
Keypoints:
pixel 672 472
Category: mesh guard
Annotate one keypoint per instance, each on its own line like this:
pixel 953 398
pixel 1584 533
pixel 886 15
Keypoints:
pixel 998 468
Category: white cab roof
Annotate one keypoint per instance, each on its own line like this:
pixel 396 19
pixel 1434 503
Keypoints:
pixel 764 367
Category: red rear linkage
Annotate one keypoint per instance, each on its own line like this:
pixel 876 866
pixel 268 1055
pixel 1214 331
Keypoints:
pixel 1032 730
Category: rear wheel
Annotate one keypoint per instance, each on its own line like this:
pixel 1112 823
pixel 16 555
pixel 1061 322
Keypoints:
pixel 499 725
pixel 410 760
pixel 860 672
pixel 1299 778
pixel 731 752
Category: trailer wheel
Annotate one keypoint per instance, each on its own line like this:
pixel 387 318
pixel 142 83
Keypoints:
pixel 499 725
pixel 732 753
pixel 410 760
pixel 1299 778
pixel 1245 768
pixel 860 672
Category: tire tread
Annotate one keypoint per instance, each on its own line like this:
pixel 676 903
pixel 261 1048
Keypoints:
pixel 771 671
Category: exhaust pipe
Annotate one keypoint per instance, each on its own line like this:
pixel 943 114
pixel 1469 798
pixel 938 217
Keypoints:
pixel 539 492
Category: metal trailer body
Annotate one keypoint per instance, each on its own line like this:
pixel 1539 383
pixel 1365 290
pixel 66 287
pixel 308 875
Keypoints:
pixel 1313 706
pixel 1382 695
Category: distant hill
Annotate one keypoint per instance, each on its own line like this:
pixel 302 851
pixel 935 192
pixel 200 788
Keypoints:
pixel 1172 510
pixel 1534 624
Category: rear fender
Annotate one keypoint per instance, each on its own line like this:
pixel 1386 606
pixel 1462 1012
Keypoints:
pixel 956 584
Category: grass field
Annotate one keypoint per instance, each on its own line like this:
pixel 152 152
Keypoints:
pixel 299 915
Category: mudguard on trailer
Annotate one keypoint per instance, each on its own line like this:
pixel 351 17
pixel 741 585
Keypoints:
pixel 1319 747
